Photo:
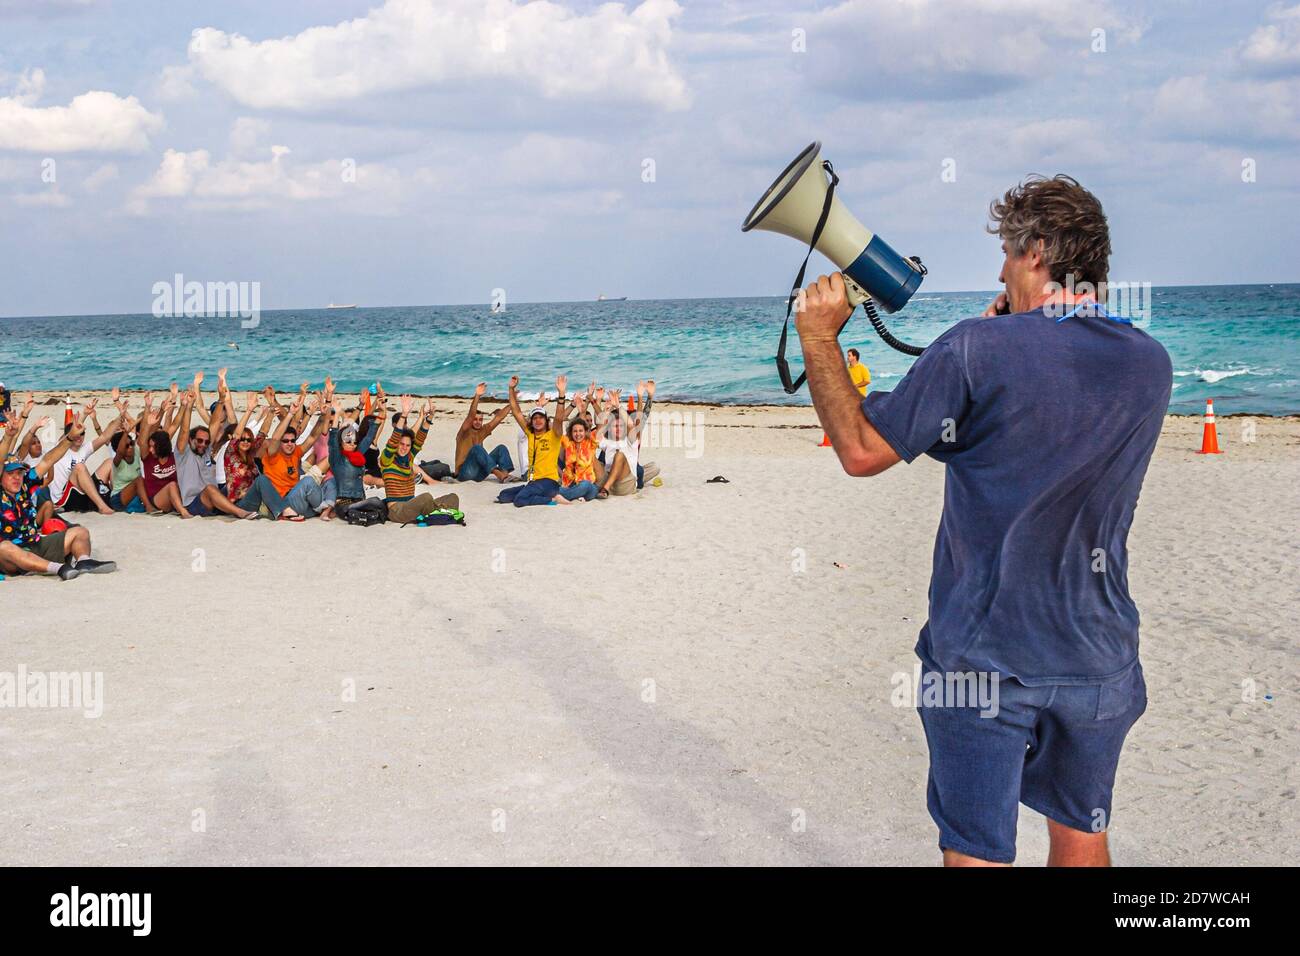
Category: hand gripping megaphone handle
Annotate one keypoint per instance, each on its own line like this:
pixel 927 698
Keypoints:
pixel 855 293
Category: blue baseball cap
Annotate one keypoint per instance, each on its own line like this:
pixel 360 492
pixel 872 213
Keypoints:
pixel 14 463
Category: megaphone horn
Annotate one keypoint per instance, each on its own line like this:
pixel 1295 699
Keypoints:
pixel 802 204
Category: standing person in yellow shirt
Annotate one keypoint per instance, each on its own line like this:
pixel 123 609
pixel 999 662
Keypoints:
pixel 860 374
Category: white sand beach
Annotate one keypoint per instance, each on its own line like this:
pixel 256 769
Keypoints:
pixel 699 674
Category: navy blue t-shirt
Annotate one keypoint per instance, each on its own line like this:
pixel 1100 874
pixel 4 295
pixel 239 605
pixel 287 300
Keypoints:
pixel 1046 427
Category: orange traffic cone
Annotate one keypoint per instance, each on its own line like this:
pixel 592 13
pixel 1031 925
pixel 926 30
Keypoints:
pixel 1210 438
pixel 826 441
pixel 67 412
pixel 631 405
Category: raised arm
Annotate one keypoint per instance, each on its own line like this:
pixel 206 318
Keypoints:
pixel 514 402
pixel 272 444
pixel 479 389
pixel 326 418
pixel 183 434
pixel 43 466
pixel 561 385
pixel 12 433
pixel 196 388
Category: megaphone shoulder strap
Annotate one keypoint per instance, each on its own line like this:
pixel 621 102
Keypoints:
pixel 782 366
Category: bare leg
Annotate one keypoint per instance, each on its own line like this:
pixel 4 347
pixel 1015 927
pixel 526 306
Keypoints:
pixel 617 469
pixel 85 481
pixel 1070 847
pixel 14 559
pixel 132 491
pixel 212 497
pixel 953 858
pixel 169 499
pixel 44 513
pixel 76 543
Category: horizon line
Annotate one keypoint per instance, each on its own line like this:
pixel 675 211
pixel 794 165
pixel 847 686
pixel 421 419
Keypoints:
pixel 706 298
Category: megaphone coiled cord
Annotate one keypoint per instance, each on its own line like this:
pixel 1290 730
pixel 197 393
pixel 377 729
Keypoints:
pixel 878 324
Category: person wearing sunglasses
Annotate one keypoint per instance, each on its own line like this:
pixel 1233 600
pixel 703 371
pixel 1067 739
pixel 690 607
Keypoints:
pixel 196 465
pixel 242 453
pixel 347 459
pixel 287 493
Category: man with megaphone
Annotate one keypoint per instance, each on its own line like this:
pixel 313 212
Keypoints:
pixel 1045 412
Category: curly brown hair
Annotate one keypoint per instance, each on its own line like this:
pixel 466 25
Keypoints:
pixel 1065 217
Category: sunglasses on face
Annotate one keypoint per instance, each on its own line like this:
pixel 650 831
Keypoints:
pixel 245 441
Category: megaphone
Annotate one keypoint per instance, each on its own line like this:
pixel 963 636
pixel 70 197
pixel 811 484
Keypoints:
pixel 802 204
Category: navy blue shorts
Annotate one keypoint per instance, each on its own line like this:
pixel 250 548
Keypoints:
pixel 1053 748
pixel 197 508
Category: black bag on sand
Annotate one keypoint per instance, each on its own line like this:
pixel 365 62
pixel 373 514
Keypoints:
pixel 437 470
pixel 365 513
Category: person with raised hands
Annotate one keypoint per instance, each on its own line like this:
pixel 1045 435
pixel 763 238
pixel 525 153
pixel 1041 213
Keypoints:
pixel 242 451
pixel 196 466
pixel 126 465
pixel 72 486
pixel 397 464
pixel 24 549
pixel 348 444
pixel 11 440
pixel 578 478
pixel 287 494
pixel 157 483
pixel 473 461
pixel 544 448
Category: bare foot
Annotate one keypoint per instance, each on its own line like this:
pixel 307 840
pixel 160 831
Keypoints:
pixel 561 500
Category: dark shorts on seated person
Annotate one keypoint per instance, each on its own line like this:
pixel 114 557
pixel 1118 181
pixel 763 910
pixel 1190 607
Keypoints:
pixel 197 508
pixel 50 547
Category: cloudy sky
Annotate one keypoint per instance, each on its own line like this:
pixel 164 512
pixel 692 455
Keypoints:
pixel 430 151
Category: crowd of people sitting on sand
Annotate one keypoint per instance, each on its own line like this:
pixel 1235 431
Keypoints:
pixel 310 458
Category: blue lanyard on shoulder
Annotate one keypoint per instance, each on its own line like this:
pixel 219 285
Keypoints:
pixel 1097 309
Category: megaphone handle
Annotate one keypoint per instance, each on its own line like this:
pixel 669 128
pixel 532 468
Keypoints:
pixel 856 294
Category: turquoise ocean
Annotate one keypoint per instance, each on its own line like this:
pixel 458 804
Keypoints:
pixel 1239 345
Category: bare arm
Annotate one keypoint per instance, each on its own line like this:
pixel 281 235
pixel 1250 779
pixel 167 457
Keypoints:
pixel 561 385
pixel 43 466
pixel 861 450
pixel 473 408
pixel 514 403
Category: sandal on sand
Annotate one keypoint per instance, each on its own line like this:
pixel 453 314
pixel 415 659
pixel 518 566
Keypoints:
pixel 251 516
pixel 602 494
pixel 294 518
pixel 717 480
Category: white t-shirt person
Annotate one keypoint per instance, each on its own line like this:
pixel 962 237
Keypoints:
pixel 62 471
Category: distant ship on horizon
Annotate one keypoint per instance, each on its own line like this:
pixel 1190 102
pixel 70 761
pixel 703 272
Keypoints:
pixel 611 298
pixel 350 305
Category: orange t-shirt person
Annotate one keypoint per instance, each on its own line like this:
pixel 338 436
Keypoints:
pixel 284 466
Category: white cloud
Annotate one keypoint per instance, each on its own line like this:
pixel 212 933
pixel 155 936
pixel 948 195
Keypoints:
pixel 50 198
pixel 251 184
pixel 866 49
pixel 1274 48
pixel 609 54
pixel 95 122
pixel 1198 107
pixel 100 176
